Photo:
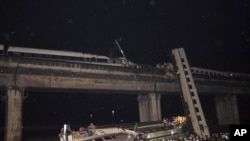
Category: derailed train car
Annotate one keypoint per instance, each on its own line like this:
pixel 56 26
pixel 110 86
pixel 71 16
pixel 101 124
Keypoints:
pixel 164 134
pixel 146 132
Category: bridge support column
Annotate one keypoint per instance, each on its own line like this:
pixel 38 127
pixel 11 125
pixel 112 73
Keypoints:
pixel 13 124
pixel 149 107
pixel 227 110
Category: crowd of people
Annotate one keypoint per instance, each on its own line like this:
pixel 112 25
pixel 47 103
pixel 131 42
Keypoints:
pixel 214 137
pixel 182 120
pixel 175 120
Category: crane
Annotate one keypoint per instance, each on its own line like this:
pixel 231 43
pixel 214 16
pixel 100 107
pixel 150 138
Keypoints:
pixel 126 62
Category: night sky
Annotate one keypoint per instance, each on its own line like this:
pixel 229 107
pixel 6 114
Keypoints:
pixel 215 34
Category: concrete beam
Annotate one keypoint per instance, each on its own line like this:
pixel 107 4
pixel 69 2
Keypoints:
pixel 37 81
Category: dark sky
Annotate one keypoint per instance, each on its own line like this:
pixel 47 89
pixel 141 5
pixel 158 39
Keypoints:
pixel 215 34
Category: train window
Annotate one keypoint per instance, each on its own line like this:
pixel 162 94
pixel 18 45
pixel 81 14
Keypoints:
pixel 84 59
pixel 194 101
pixel 196 109
pixel 14 54
pixel 74 58
pixel 113 137
pixel 58 57
pixel 107 138
pixel 184 66
pixel 27 55
pixel 199 118
pixel 186 72
pixel 190 86
pixel 99 139
pixel 48 56
pixel 38 55
pixel 67 58
pixel 93 59
pixel 77 58
pixel 102 60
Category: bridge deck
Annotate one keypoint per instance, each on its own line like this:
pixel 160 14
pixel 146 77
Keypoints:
pixel 58 74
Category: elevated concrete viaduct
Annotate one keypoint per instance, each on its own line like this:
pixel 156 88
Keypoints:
pixel 18 75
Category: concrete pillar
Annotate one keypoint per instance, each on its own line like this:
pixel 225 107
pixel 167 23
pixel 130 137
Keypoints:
pixel 227 110
pixel 13 124
pixel 235 110
pixel 158 99
pixel 143 107
pixel 149 107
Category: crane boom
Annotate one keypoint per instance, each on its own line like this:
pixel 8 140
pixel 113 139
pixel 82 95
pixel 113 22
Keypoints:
pixel 190 93
pixel 122 52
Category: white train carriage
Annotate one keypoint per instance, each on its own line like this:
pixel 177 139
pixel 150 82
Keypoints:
pixel 209 72
pixel 163 135
pixel 65 56
pixel 53 54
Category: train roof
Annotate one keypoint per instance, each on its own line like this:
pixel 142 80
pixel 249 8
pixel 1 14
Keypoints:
pixel 53 52
pixel 89 55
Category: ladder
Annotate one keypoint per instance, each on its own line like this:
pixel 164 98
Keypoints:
pixel 190 94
